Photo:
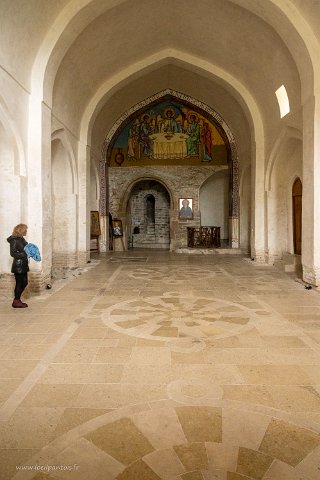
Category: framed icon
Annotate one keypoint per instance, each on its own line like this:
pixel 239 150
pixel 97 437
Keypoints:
pixel 95 229
pixel 117 230
pixel 185 208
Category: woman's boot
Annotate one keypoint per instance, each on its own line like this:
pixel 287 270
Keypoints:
pixel 18 304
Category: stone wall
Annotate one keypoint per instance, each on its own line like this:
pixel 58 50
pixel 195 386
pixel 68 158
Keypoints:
pixel 179 181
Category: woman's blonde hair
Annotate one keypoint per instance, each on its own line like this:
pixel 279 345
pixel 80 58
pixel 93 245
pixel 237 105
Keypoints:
pixel 20 230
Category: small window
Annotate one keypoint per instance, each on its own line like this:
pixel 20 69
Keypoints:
pixel 283 101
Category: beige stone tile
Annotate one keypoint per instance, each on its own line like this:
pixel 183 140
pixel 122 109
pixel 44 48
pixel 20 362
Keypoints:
pixel 93 342
pixel 7 387
pixel 192 476
pixel 193 456
pixel 149 374
pixel 222 456
pixel 113 355
pixel 11 458
pixel 161 426
pixel 237 476
pixel 34 352
pixel 217 374
pixel 310 465
pixel 192 358
pixel 243 428
pixel 274 374
pixel 212 331
pixel 90 332
pixel 282 471
pixel 289 398
pixel 80 373
pixel 87 461
pixel 30 427
pixel 252 463
pixel 52 395
pixel 75 354
pixel 122 440
pixel 139 470
pixel 283 341
pixel 150 356
pixel 312 372
pixel 43 476
pixel 271 355
pixel 236 320
pixel 145 342
pixel 16 368
pixel 164 463
pixel 73 417
pixel 201 424
pixel 288 443
pixel 127 341
pixel 130 323
pixel 166 332
pixel 115 395
pixel 215 474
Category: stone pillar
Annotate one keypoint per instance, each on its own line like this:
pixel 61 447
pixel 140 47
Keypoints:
pixel 39 193
pixel 311 191
pixel 258 205
pixel 83 204
pixel 234 231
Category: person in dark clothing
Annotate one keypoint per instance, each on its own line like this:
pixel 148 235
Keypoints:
pixel 20 265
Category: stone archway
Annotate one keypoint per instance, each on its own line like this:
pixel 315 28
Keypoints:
pixel 148 215
pixel 224 129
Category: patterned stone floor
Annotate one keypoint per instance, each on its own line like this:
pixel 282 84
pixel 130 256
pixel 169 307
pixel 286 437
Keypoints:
pixel 152 365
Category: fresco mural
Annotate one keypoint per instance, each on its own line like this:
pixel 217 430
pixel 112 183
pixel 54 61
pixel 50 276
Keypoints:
pixel 168 133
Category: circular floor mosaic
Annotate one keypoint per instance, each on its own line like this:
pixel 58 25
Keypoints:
pixel 176 317
pixel 182 442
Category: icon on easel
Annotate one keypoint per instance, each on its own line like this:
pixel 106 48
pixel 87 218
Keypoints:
pixel 117 228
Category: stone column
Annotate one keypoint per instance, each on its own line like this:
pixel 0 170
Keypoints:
pixel 83 204
pixel 39 194
pixel 258 205
pixel 311 191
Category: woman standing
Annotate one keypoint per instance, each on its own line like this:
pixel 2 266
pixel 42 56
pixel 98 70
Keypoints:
pixel 20 266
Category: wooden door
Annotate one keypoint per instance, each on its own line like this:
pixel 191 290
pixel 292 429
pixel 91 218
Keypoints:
pixel 297 215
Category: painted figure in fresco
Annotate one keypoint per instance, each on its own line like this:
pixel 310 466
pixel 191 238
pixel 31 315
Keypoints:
pixel 193 131
pixel 145 129
pixel 206 141
pixel 185 210
pixel 170 125
pixel 132 141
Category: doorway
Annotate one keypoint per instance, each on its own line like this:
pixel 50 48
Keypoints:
pixel 297 215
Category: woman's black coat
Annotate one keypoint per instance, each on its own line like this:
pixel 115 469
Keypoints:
pixel 20 258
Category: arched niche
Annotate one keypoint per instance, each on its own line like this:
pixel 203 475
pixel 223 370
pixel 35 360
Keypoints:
pixel 64 211
pixel 286 167
pixel 11 209
pixel 214 203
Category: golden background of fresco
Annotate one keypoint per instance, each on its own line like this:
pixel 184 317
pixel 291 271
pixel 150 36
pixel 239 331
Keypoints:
pixel 219 157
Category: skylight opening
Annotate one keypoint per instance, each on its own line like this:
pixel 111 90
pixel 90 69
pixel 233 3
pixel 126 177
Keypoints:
pixel 283 101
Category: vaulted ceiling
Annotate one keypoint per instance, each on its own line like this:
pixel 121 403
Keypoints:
pixel 100 57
